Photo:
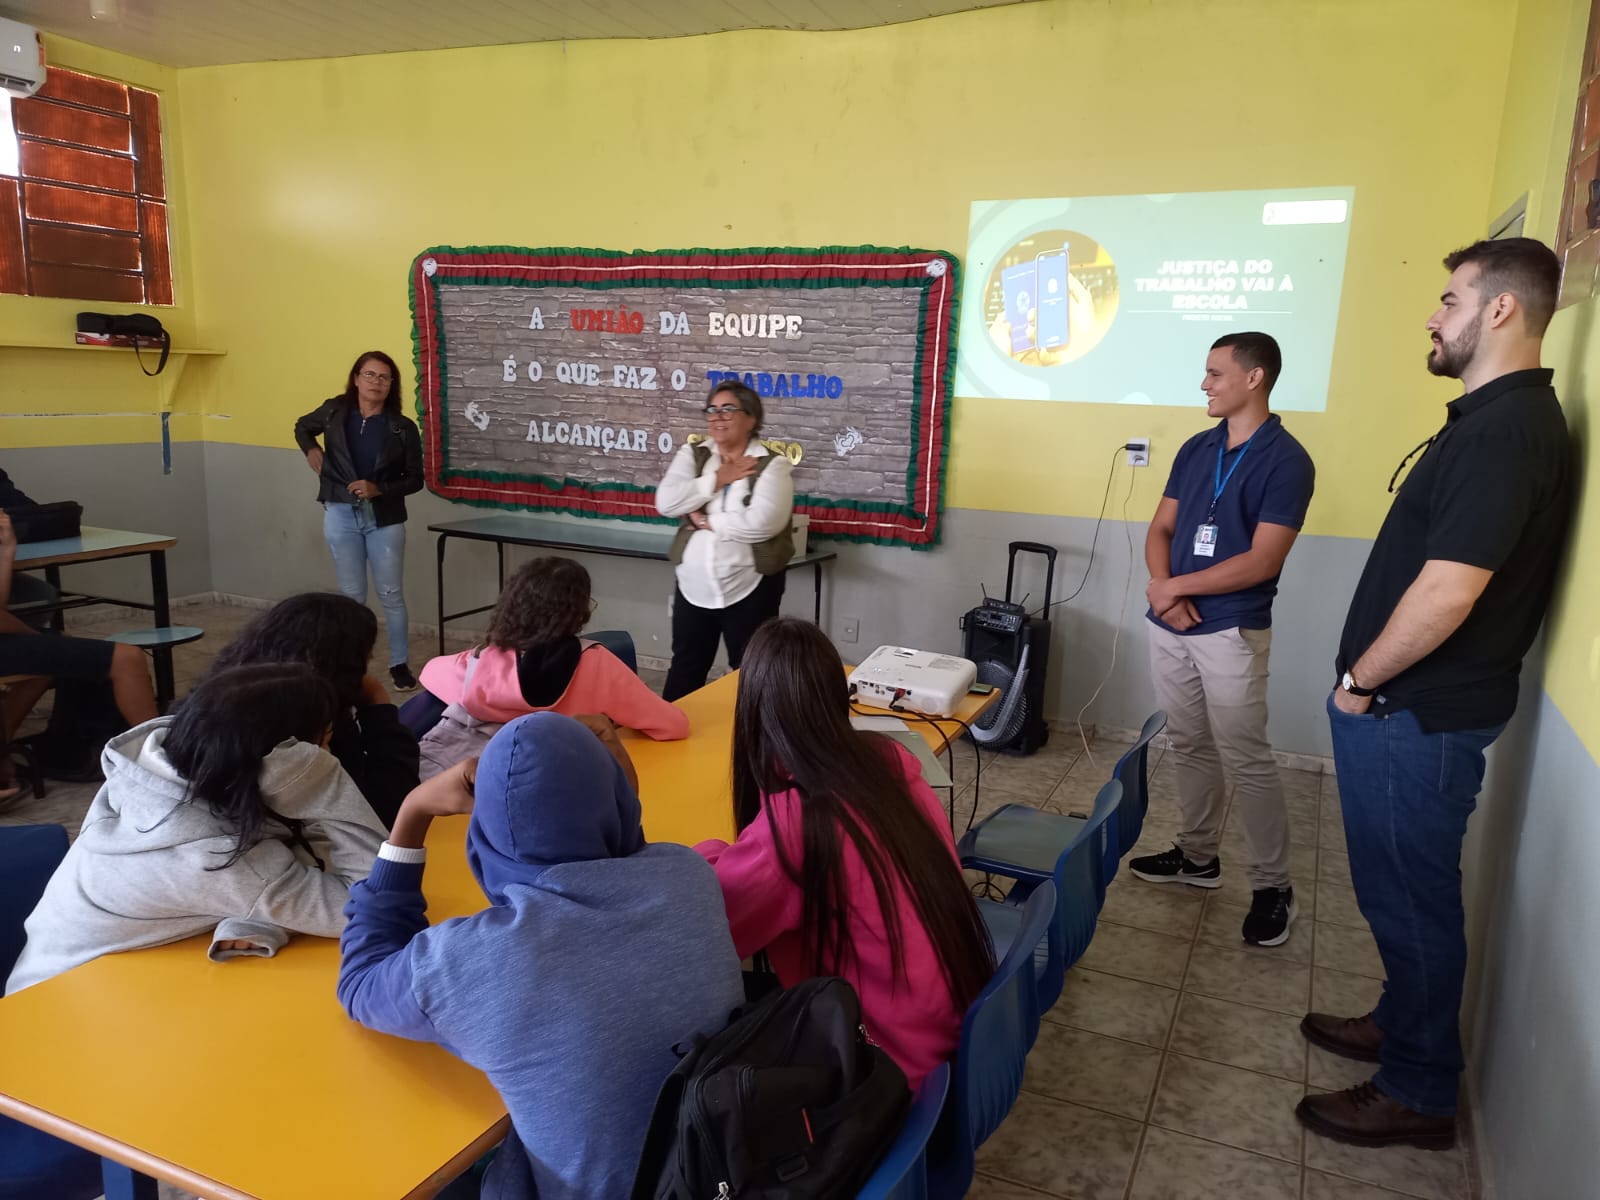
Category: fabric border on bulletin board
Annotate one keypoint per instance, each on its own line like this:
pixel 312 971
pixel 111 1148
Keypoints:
pixel 935 272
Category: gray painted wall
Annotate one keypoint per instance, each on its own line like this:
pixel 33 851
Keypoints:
pixel 1534 976
pixel 266 541
pixel 121 486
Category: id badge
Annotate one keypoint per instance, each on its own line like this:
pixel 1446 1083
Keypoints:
pixel 1205 541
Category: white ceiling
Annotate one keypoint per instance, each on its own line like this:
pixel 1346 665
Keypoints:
pixel 194 33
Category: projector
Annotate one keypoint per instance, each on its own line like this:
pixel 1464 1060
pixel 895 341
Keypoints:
pixel 920 680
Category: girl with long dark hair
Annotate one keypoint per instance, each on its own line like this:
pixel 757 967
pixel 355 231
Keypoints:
pixel 334 636
pixel 369 461
pixel 844 864
pixel 228 815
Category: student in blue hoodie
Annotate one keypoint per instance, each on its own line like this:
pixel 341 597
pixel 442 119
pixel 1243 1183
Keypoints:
pixel 598 952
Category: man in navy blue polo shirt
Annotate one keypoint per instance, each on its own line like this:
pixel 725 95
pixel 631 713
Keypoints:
pixel 1453 592
pixel 1233 505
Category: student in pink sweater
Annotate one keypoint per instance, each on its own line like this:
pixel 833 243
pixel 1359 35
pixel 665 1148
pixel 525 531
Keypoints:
pixel 844 864
pixel 535 661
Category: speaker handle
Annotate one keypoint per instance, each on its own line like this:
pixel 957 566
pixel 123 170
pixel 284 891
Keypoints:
pixel 1049 552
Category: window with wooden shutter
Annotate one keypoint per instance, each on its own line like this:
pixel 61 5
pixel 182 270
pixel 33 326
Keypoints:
pixel 85 214
pixel 1578 238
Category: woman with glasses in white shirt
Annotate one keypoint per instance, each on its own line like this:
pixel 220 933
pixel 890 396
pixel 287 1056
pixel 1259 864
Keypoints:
pixel 369 461
pixel 736 501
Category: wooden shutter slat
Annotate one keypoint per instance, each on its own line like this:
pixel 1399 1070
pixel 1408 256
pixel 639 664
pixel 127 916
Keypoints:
pixel 13 267
pixel 74 126
pixel 63 164
pixel 85 283
pixel 69 247
pixel 74 87
pixel 73 206
pixel 146 108
pixel 157 252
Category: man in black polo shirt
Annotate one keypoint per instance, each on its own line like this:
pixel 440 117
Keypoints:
pixel 1452 596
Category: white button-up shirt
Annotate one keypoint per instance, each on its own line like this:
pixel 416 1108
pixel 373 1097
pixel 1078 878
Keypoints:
pixel 718 567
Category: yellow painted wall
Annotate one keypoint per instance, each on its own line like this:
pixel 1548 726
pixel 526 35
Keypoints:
pixel 313 184
pixel 76 396
pixel 1534 139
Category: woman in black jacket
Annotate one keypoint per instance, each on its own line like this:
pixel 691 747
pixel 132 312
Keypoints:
pixel 369 461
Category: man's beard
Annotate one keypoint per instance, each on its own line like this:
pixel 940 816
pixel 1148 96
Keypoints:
pixel 1451 359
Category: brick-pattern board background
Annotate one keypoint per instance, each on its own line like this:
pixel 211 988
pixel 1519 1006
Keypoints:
pixel 567 379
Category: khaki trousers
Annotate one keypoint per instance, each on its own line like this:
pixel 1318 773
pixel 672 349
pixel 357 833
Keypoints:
pixel 1213 687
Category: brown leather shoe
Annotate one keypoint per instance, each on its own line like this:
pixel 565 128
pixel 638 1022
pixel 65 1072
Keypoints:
pixel 1348 1037
pixel 1364 1116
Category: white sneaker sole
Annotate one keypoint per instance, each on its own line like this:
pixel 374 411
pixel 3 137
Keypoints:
pixel 1191 880
pixel 1294 911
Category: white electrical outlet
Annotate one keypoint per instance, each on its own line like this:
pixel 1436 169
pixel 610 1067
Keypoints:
pixel 1141 456
pixel 850 630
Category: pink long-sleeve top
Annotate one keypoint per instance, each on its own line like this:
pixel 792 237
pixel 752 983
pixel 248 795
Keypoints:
pixel 912 1016
pixel 602 683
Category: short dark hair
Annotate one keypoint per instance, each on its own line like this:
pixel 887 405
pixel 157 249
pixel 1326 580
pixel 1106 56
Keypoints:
pixel 391 402
pixel 545 599
pixel 745 396
pixel 1525 267
pixel 1252 350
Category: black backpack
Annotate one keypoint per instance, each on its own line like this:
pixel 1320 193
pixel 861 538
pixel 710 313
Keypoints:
pixel 789 1102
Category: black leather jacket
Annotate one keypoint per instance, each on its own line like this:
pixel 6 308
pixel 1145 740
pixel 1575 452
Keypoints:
pixel 399 469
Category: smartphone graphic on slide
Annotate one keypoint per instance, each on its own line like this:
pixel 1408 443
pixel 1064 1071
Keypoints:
pixel 1053 323
pixel 1019 285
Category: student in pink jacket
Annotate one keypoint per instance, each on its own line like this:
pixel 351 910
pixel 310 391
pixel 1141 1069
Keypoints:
pixel 844 864
pixel 535 661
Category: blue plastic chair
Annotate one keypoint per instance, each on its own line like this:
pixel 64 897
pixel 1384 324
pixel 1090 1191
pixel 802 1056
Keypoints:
pixel 34 1165
pixel 903 1172
pixel 1020 842
pixel 995 1037
pixel 620 643
pixel 1079 885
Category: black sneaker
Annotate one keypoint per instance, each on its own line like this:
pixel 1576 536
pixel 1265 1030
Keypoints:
pixel 402 678
pixel 1272 911
pixel 1171 866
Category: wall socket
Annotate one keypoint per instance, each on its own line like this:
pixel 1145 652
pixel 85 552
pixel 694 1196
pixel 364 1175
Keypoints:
pixel 1141 456
pixel 850 630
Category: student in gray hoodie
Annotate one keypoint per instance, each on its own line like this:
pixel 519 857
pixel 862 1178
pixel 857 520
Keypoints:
pixel 229 816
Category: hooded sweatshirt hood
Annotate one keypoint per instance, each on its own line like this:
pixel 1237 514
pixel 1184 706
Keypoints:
pixel 547 793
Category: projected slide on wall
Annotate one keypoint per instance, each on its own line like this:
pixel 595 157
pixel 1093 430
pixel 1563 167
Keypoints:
pixel 1115 299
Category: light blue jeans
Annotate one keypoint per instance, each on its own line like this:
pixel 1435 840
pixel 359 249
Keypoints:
pixel 355 540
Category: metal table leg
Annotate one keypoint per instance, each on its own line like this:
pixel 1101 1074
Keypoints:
pixel 439 568
pixel 816 584
pixel 162 654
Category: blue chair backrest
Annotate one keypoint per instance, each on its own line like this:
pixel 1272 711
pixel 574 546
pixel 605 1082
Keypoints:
pixel 903 1172
pixel 620 643
pixel 29 855
pixel 1133 770
pixel 995 1036
pixel 1081 886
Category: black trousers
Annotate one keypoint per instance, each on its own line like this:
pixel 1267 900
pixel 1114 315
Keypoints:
pixel 695 632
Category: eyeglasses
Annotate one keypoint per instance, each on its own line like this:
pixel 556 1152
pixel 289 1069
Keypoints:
pixel 1395 478
pixel 722 410
pixel 377 376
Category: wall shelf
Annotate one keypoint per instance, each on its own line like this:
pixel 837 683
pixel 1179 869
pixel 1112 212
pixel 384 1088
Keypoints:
pixel 13 344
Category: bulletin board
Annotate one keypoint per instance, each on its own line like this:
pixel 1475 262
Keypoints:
pixel 566 379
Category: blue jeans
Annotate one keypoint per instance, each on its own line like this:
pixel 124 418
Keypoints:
pixel 355 541
pixel 1406 797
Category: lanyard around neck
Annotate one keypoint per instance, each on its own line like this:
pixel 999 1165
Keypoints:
pixel 1220 481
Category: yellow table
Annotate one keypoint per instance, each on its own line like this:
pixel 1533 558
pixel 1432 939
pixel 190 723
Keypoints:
pixel 246 1079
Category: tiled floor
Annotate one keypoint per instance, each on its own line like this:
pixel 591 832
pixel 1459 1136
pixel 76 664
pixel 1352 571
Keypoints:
pixel 1170 1067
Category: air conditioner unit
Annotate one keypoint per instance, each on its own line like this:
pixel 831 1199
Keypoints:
pixel 21 59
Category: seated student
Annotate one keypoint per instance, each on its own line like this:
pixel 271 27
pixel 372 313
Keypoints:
pixel 597 953
pixel 229 814
pixel 535 661
pixel 26 588
pixel 67 661
pixel 844 863
pixel 334 636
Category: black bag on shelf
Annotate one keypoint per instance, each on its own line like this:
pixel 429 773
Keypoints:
pixel 141 327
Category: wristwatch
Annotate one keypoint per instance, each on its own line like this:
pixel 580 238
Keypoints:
pixel 1348 683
